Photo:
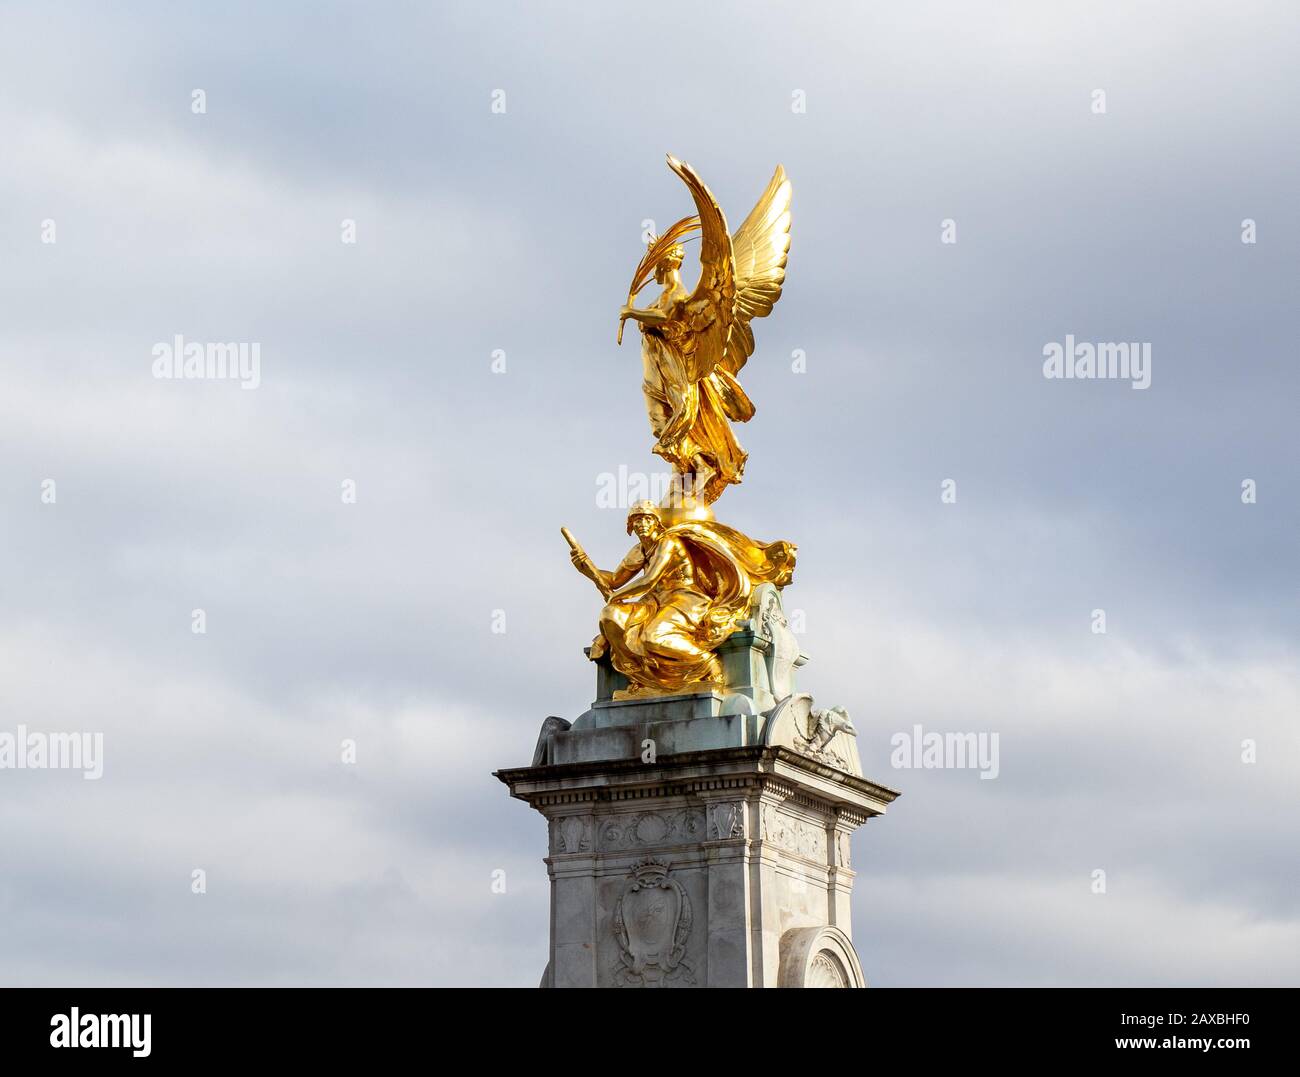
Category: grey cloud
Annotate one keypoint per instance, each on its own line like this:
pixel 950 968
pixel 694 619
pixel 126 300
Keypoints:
pixel 518 232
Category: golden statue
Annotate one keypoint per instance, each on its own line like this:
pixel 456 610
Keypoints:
pixel 694 344
pixel 688 582
pixel 679 592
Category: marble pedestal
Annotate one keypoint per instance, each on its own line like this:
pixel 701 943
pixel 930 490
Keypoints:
pixel 702 840
pixel 720 868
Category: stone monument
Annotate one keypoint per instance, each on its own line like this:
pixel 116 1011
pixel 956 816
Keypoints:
pixel 700 811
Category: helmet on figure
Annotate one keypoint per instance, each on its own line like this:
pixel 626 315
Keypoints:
pixel 643 508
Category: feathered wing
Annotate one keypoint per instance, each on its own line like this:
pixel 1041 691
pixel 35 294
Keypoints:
pixel 740 279
pixel 759 250
pixel 710 311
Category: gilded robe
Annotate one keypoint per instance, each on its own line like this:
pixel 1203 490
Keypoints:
pixel 695 586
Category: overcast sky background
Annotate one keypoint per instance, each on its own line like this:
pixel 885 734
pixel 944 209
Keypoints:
pixel 519 232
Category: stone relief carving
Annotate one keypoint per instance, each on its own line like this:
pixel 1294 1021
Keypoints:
pixel 727 820
pixel 825 734
pixel 825 724
pixel 651 828
pixel 784 656
pixel 826 971
pixel 819 957
pixel 797 835
pixel 652 923
pixel 573 834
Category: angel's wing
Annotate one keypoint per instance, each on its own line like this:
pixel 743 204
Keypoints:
pixel 740 277
pixel 759 250
pixel 710 310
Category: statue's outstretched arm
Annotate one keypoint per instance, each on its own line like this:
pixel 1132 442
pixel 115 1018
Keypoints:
pixel 646 316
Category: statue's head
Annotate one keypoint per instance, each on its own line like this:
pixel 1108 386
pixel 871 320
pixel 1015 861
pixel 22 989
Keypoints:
pixel 670 262
pixel 643 520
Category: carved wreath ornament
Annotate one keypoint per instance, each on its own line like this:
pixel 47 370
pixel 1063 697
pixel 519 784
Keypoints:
pixel 652 922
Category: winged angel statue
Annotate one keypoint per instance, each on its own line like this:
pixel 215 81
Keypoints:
pixel 693 344
pixel 690 581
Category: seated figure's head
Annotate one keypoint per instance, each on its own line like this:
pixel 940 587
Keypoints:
pixel 643 520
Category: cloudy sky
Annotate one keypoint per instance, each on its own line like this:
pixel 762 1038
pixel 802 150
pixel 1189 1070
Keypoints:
pixel 480 232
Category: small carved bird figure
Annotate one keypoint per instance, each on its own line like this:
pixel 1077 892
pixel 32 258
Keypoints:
pixel 828 722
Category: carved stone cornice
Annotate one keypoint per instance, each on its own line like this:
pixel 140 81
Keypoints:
pixel 757 769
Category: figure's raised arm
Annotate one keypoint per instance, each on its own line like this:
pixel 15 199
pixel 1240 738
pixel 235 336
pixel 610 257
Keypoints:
pixel 598 576
pixel 582 561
